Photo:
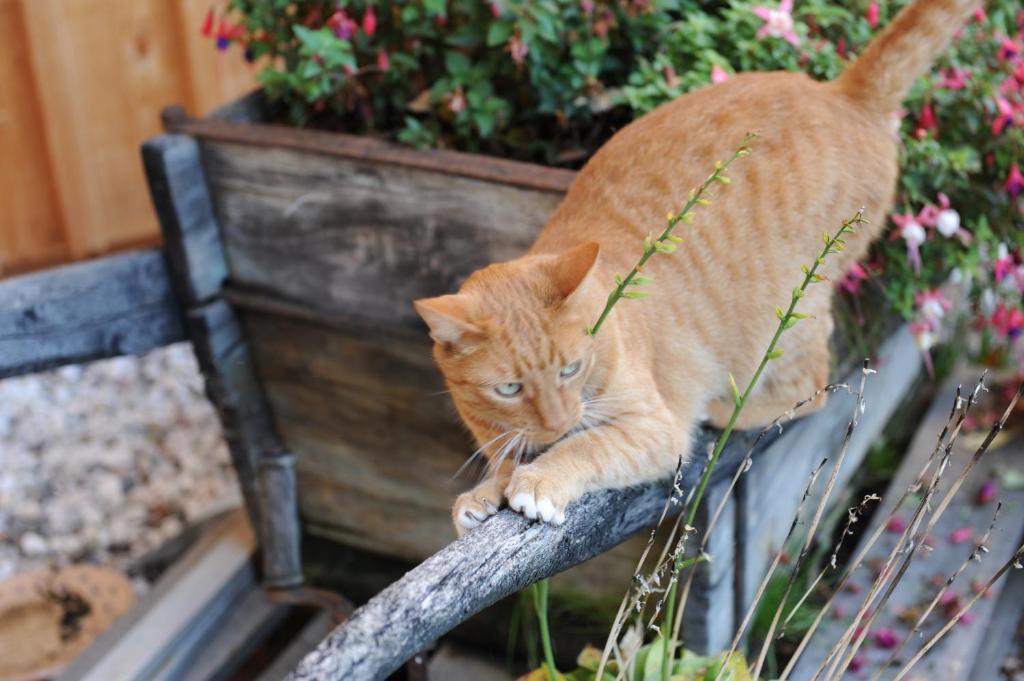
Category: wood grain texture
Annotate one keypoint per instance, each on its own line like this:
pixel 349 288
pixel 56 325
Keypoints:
pixel 30 218
pixel 361 239
pixel 82 83
pixel 180 196
pixel 112 306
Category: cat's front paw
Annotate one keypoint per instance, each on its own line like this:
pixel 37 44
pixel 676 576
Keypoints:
pixel 537 495
pixel 474 507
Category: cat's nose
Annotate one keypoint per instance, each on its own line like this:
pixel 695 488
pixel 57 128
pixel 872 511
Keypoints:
pixel 555 422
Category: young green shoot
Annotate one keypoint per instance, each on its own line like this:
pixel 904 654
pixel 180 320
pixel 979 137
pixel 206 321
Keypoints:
pixel 666 242
pixel 787 319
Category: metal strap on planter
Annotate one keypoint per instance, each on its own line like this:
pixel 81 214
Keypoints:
pixel 196 257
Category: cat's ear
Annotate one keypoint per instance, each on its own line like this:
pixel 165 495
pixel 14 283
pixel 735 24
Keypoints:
pixel 572 267
pixel 448 318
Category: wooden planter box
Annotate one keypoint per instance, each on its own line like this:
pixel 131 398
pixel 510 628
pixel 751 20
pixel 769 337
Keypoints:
pixel 297 255
pixel 328 239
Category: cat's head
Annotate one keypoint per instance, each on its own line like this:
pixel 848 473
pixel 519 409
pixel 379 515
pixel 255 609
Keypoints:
pixel 512 343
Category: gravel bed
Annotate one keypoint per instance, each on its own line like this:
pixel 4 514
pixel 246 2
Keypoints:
pixel 104 462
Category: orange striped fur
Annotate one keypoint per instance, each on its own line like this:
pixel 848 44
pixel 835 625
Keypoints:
pixel 660 366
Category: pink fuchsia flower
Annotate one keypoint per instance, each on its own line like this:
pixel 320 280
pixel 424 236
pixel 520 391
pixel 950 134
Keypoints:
pixel 896 524
pixel 933 305
pixel 778 22
pixel 1007 115
pixel 967 619
pixel 1009 49
pixel 1014 181
pixel 1007 321
pixel 955 78
pixel 872 13
pixel 986 493
pixel 1004 265
pixel 856 663
pixel 925 338
pixel 980 16
pixel 960 535
pixel 718 74
pixel 207 28
pixel 517 48
pixel 226 32
pixel 671 79
pixel 495 10
pixel 914 235
pixel 926 122
pixel 457 103
pixel 853 280
pixel 343 26
pixel 587 6
pixel 370 21
pixel 383 61
pixel 886 638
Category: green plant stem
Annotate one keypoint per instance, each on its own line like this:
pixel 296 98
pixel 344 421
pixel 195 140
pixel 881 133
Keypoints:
pixel 787 319
pixel 540 604
pixel 666 242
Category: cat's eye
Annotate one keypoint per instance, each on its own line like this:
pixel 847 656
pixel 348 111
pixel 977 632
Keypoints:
pixel 570 370
pixel 508 389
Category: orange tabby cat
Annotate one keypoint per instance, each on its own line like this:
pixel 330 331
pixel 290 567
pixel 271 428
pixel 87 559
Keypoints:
pixel 619 408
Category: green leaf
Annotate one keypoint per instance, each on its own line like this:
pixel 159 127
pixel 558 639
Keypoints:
pixel 775 354
pixel 636 295
pixel 780 314
pixel 641 281
pixel 456 62
pixel 499 33
pixel 736 397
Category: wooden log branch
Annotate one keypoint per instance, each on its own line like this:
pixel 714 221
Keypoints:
pixel 117 305
pixel 504 555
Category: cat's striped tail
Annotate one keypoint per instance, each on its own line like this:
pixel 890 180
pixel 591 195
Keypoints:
pixel 885 70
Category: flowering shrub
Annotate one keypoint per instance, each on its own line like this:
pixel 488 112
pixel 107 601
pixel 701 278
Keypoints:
pixel 550 80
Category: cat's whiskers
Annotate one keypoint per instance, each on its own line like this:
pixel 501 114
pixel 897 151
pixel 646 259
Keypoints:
pixel 506 450
pixel 480 450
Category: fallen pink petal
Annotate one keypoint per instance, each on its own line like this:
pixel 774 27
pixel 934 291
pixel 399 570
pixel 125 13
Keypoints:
pixel 961 535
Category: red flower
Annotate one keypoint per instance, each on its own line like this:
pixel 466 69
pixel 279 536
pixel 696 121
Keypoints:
pixel 896 524
pixel 872 13
pixel 886 638
pixel 369 21
pixel 926 121
pixel 1014 181
pixel 986 493
pixel 383 61
pixel 207 29
pixel 1007 321
pixel 959 536
pixel 343 26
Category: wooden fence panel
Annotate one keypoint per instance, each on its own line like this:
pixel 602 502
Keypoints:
pixel 82 84
pixel 30 225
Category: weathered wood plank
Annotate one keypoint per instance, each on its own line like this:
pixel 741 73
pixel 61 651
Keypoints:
pixel 954 656
pixel 358 238
pixel 177 186
pixel 252 110
pixel 110 306
pixel 770 492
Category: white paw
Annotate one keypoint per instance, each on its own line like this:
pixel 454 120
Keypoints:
pixel 470 512
pixel 533 508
